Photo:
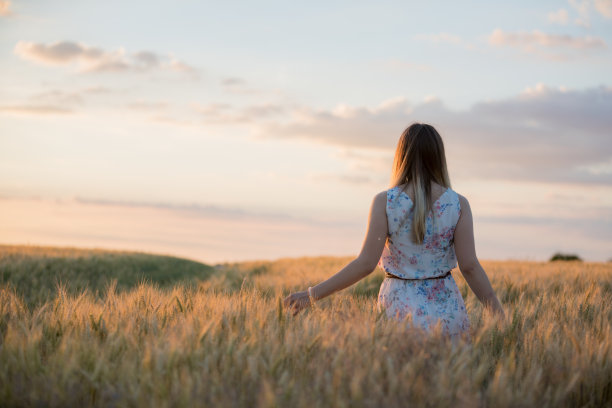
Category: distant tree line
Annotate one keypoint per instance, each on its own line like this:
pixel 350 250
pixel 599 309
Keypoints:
pixel 565 257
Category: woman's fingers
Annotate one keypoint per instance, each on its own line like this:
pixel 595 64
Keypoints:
pixel 296 309
pixel 295 302
pixel 289 300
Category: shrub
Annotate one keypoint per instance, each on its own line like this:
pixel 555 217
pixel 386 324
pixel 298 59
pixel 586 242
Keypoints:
pixel 564 257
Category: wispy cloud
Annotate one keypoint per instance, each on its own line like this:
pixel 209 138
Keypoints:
pixel 604 167
pixel 93 59
pixel 193 208
pixel 226 114
pixel 604 7
pixel 444 38
pixel 353 178
pixel 439 38
pixel 582 8
pixel 54 101
pixel 233 82
pixel 550 46
pixel 237 85
pixel 530 40
pixel 32 110
pixel 147 105
pixel 560 16
pixel 5 8
pixel 97 90
pixel 397 64
pixel 59 97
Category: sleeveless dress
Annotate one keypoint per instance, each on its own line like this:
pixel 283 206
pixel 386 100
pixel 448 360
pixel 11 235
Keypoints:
pixel 422 302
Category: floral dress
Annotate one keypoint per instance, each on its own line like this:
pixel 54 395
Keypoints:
pixel 419 301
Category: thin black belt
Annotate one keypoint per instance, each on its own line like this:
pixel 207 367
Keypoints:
pixel 389 275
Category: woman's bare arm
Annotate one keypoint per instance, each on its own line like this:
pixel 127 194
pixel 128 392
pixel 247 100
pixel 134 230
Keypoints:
pixel 361 266
pixel 469 265
pixel 369 256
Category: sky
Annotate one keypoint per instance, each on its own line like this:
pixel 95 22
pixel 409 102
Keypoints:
pixel 233 130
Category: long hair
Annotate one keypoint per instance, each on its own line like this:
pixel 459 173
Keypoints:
pixel 419 161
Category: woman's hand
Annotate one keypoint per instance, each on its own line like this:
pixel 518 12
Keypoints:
pixel 297 301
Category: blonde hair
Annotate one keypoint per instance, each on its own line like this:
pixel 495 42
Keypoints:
pixel 420 160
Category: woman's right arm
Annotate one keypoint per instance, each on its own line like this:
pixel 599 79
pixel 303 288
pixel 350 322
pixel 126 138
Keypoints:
pixel 471 269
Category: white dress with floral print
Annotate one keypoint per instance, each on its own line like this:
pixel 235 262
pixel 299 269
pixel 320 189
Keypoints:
pixel 419 301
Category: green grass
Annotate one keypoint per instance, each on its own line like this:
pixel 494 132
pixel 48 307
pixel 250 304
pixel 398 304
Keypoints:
pixel 36 272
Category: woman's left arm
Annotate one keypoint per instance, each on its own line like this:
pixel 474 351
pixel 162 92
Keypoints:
pixel 360 267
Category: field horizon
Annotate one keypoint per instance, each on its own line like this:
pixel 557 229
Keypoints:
pixel 96 249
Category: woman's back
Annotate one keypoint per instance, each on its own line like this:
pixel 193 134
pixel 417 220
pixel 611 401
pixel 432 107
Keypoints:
pixel 418 282
pixel 435 256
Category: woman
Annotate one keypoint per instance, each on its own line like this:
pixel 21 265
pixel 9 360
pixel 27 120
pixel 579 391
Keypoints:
pixel 417 231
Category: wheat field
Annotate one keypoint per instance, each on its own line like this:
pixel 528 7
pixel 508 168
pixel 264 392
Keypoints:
pixel 220 337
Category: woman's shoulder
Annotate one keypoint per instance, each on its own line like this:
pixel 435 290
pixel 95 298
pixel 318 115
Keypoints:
pixel 384 196
pixel 379 204
pixel 462 198
pixel 381 197
pixel 464 204
pixel 389 194
pixel 388 197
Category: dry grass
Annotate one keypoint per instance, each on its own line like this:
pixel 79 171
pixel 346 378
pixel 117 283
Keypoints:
pixel 228 342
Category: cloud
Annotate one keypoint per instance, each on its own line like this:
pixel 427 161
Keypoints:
pixel 560 16
pixel 599 168
pixel 59 97
pixel 93 59
pixel 147 59
pixel 226 114
pixel 367 161
pixel 147 105
pixel 550 46
pixel 396 64
pixel 179 66
pixel 240 86
pixel 237 85
pixel 353 179
pixel 345 125
pixel 34 110
pixel 583 10
pixel 604 7
pixel 529 41
pixel 233 82
pixel 54 101
pixel 193 208
pixel 444 38
pixel 582 7
pixel 97 90
pixel 66 52
pixel 439 38
pixel 5 8
pixel 544 133
pixel 174 121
